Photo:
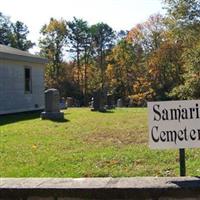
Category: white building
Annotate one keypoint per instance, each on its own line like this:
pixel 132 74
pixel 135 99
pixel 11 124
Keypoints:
pixel 21 81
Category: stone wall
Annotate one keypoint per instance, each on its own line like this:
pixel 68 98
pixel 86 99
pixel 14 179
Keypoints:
pixel 186 188
pixel 12 92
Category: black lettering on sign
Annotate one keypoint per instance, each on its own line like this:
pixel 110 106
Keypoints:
pixel 152 134
pixel 157 117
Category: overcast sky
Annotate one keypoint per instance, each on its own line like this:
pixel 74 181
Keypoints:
pixel 119 14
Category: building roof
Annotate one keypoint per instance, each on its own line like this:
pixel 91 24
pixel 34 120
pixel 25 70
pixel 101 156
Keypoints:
pixel 9 53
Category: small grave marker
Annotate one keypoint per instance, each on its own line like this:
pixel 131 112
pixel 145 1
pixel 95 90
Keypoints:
pixel 119 103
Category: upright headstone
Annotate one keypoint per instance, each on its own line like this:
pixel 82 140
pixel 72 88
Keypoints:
pixel 77 103
pixel 98 102
pixel 52 107
pixel 131 103
pixel 119 103
pixel 110 101
pixel 70 102
pixel 63 104
pixel 95 105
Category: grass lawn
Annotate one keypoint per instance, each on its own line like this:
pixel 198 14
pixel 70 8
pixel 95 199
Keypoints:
pixel 87 144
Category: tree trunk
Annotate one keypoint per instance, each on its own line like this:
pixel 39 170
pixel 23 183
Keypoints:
pixel 85 81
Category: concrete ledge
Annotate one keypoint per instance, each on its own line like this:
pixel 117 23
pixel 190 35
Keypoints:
pixel 99 188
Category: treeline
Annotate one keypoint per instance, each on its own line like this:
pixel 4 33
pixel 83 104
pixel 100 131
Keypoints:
pixel 156 60
pixel 14 34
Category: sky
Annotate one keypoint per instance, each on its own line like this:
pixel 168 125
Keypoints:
pixel 119 14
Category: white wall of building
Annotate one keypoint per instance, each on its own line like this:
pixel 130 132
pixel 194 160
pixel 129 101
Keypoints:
pixel 12 87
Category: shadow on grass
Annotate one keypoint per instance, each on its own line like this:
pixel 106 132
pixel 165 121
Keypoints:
pixel 58 120
pixel 103 111
pixel 18 117
pixel 107 111
pixel 13 118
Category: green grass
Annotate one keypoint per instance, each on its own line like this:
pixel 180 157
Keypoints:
pixel 87 144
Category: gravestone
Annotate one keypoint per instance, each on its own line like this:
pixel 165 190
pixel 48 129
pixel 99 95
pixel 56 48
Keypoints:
pixel 119 103
pixel 98 102
pixel 77 103
pixel 52 107
pixel 70 102
pixel 131 103
pixel 95 105
pixel 63 104
pixel 110 101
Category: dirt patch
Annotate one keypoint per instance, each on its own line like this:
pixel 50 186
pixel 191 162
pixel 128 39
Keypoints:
pixel 117 138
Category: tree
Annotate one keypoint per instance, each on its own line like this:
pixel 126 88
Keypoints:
pixel 120 71
pixel 87 60
pixel 103 38
pixel 165 69
pixel 190 88
pixel 80 44
pixel 184 12
pixel 14 34
pixel 184 27
pixel 19 36
pixel 52 45
pixel 146 39
pixel 148 35
pixel 5 30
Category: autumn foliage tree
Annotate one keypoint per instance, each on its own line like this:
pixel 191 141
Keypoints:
pixel 120 72
pixel 52 45
pixel 184 27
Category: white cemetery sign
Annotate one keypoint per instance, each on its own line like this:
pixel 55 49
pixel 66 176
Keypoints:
pixel 174 124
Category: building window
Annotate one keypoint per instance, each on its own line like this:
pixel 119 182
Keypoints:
pixel 27 78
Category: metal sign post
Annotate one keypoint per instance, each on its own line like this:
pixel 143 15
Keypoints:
pixel 182 162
